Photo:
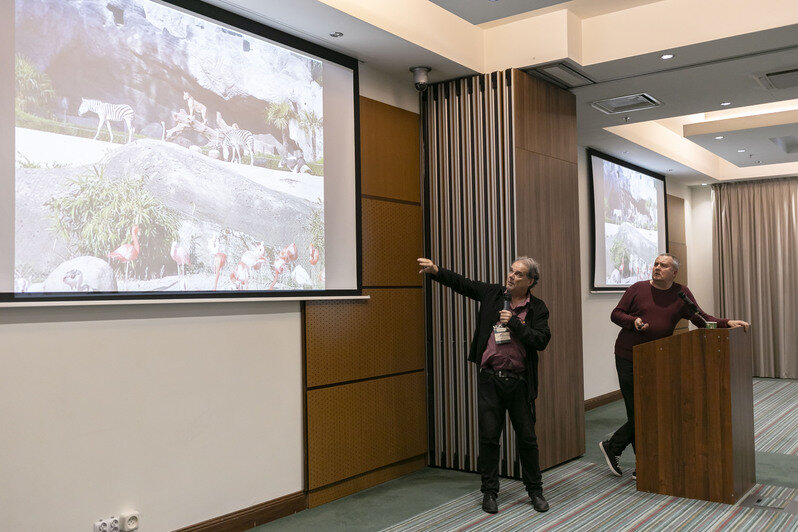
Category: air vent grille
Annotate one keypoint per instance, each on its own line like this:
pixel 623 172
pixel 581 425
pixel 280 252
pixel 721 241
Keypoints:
pixel 626 104
pixel 788 79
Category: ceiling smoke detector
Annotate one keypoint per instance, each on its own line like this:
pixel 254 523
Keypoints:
pixel 626 104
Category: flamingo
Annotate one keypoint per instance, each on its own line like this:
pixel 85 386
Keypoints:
pixel 254 257
pixel 181 256
pixel 219 259
pixel 314 254
pixel 289 253
pixel 279 266
pixel 127 253
pixel 301 277
pixel 240 276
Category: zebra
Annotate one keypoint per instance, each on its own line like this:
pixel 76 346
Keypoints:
pixel 239 140
pixel 109 112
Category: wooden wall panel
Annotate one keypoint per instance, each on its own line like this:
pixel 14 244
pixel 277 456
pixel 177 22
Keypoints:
pixel 545 118
pixel 548 230
pixel 389 151
pixel 363 426
pixel 392 241
pixel 371 430
pixel 356 340
pixel 677 245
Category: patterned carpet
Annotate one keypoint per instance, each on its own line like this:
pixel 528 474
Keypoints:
pixel 585 497
pixel 776 416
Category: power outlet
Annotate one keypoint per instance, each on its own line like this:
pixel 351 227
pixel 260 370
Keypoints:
pixel 110 524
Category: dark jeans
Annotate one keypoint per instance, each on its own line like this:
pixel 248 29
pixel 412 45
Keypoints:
pixel 498 395
pixel 626 434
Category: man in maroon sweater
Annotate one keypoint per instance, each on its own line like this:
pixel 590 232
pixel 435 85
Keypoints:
pixel 648 310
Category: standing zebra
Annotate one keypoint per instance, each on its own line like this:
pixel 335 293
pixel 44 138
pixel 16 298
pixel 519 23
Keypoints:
pixel 109 112
pixel 239 140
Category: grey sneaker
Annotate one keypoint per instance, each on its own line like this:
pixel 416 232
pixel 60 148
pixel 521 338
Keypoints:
pixel 612 460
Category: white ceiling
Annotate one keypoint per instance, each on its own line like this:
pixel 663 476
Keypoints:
pixel 697 80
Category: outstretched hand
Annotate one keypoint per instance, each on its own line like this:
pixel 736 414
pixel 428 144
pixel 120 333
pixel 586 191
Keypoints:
pixel 427 266
pixel 739 323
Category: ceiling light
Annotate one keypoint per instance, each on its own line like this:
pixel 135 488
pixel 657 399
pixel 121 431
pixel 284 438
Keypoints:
pixel 336 34
pixel 740 151
pixel 670 169
pixel 667 56
pixel 759 162
pixel 719 137
pixel 703 184
pixel 726 104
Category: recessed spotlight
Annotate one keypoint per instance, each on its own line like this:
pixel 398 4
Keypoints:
pixel 719 137
pixel 670 169
pixel 740 151
pixel 759 162
pixel 336 34
pixel 667 56
pixel 625 152
pixel 726 104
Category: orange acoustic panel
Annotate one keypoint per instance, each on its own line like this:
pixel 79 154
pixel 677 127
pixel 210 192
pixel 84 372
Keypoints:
pixel 358 427
pixel 392 241
pixel 389 152
pixel 351 340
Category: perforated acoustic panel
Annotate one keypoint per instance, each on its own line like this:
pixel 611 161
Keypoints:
pixel 356 340
pixel 392 241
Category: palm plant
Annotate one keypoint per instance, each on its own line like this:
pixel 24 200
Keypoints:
pixel 279 115
pixel 311 123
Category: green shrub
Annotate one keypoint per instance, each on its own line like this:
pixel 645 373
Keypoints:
pixel 96 217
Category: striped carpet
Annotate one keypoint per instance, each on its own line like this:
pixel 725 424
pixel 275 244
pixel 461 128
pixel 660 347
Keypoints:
pixel 585 497
pixel 776 416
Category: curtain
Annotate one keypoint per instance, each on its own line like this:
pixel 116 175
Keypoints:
pixel 468 159
pixel 755 226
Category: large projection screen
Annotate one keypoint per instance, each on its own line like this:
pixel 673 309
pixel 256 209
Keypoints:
pixel 173 150
pixel 629 221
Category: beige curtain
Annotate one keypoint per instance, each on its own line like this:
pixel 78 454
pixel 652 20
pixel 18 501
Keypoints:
pixel 755 225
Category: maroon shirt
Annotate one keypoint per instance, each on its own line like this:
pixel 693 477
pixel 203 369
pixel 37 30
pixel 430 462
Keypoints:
pixel 511 355
pixel 661 309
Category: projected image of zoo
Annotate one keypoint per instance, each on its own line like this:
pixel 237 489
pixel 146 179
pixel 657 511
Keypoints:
pixel 158 151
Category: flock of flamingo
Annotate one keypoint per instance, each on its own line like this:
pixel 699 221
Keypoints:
pixel 252 259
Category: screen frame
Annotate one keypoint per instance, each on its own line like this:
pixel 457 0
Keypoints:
pixel 591 152
pixel 218 14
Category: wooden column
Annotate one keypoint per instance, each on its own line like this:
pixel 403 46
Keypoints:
pixel 547 229
pixel 365 382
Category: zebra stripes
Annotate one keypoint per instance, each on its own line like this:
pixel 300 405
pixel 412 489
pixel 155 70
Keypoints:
pixel 109 112
pixel 238 141
pixel 470 173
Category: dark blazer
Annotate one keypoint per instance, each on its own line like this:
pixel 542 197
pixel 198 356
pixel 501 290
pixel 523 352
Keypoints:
pixel 533 332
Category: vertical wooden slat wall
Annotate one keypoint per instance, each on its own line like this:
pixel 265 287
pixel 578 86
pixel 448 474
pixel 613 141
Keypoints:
pixel 365 381
pixel 547 228
pixel 469 167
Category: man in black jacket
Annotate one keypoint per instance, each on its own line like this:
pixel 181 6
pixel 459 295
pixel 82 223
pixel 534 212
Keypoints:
pixel 505 346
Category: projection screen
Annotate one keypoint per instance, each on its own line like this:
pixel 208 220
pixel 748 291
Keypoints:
pixel 159 152
pixel 629 221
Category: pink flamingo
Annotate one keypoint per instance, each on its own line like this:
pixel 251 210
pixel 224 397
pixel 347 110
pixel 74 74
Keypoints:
pixel 219 260
pixel 289 253
pixel 127 253
pixel 240 276
pixel 279 266
pixel 181 256
pixel 314 254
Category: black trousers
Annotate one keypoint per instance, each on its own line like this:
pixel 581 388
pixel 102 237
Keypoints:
pixel 498 395
pixel 626 434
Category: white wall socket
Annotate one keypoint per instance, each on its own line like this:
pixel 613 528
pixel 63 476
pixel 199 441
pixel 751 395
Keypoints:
pixel 111 524
pixel 129 521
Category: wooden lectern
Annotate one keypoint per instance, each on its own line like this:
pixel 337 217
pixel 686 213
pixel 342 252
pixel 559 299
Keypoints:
pixel 694 415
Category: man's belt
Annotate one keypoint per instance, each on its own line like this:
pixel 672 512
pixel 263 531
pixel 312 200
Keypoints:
pixel 504 373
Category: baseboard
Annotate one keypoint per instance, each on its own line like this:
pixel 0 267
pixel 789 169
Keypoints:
pixel 360 482
pixel 253 516
pixel 601 400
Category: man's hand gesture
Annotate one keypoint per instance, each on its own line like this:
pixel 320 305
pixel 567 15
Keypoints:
pixel 427 266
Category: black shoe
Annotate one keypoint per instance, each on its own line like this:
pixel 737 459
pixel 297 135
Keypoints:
pixel 634 474
pixel 612 460
pixel 538 502
pixel 489 504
